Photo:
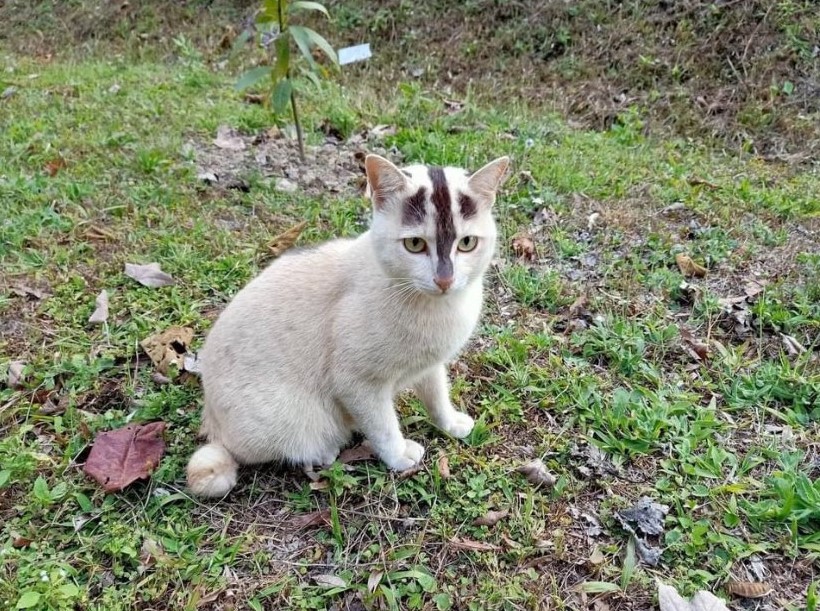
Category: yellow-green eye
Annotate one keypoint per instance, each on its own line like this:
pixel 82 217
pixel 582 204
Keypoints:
pixel 415 245
pixel 467 243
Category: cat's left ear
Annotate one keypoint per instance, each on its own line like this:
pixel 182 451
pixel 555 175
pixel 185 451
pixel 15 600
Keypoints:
pixel 383 179
pixel 487 180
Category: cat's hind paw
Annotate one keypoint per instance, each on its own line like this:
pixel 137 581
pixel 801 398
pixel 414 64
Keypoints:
pixel 458 425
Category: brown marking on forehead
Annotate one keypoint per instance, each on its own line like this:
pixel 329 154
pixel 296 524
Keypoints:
pixel 467 205
pixel 414 211
pixel 445 229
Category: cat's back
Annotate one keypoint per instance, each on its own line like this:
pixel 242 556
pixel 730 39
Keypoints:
pixel 292 295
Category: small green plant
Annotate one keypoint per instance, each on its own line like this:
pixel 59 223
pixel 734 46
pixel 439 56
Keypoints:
pixel 274 19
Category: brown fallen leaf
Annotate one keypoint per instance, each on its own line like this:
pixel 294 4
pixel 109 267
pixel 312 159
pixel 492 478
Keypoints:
pixel 754 288
pixel 696 348
pixel 536 473
pixel 55 165
pixel 15 374
pixel 99 234
pixel 22 290
pixel 227 138
pixel 255 98
pixel 307 520
pixel 443 464
pixel 596 558
pixel 148 275
pixel 363 451
pixel 168 348
pixel 19 541
pixel 491 518
pixel 100 314
pixel 286 239
pixel 688 267
pixel 468 545
pixel 579 306
pixel 793 347
pixel 124 455
pixel 523 246
pixel 330 581
pixel 321 484
pixel 749 589
pixel 374 580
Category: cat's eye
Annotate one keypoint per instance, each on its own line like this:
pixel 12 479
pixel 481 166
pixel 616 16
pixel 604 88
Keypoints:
pixel 415 245
pixel 467 243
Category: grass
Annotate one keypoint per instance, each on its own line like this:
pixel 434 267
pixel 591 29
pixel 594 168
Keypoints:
pixel 100 169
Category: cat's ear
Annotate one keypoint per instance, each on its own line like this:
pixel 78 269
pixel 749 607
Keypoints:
pixel 487 180
pixel 383 179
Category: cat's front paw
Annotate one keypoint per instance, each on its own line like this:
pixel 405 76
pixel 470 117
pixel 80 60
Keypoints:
pixel 458 425
pixel 412 455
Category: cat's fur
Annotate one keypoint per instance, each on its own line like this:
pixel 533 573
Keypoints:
pixel 319 344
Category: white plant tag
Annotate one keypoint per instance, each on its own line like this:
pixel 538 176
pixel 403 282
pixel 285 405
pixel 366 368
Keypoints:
pixel 357 53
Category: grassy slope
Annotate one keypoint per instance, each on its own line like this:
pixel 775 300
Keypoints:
pixel 724 443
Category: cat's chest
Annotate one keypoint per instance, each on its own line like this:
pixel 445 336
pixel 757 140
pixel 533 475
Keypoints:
pixel 434 335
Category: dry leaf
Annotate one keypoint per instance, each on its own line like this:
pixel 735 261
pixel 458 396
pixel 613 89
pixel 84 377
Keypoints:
pixel 491 518
pixel 55 165
pixel 330 581
pixel 148 275
pixel 227 138
pixel 168 348
pixel 125 455
pixel 579 306
pixel 592 220
pixel 670 600
pixel 160 379
pixel 22 290
pixel 749 589
pixel 374 580
pixel 363 451
pixel 321 484
pixel 524 247
pixel 647 515
pixel 381 131
pixel 99 234
pixel 754 287
pixel 688 267
pixel 793 347
pixel 536 473
pixel 100 314
pixel 468 545
pixel 443 464
pixel 286 239
pixel 256 98
pixel 696 348
pixel 15 375
pixel 596 557
pixel 315 518
pixel 19 541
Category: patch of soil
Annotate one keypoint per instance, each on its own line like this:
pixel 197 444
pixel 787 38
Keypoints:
pixel 332 169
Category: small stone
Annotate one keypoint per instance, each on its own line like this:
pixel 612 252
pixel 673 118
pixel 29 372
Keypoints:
pixel 286 186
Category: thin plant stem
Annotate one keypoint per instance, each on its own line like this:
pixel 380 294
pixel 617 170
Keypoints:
pixel 298 126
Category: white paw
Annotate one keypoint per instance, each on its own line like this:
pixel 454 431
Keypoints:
pixel 458 425
pixel 410 457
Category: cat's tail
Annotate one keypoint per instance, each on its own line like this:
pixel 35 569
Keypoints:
pixel 212 471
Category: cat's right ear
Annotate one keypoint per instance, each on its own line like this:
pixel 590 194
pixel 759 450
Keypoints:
pixel 383 180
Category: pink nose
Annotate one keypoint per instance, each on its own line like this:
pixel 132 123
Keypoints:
pixel 444 283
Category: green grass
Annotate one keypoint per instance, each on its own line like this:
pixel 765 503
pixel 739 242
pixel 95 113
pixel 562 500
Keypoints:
pixel 728 443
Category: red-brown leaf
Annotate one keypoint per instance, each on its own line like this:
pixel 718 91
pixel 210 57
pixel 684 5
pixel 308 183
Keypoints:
pixel 315 518
pixel 491 518
pixel 363 451
pixel 125 455
pixel 468 545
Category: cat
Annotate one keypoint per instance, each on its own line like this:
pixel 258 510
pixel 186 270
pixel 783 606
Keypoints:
pixel 318 345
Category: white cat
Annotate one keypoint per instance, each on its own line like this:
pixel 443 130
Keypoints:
pixel 320 343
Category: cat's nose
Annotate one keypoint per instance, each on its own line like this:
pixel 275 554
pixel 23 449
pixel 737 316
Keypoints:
pixel 443 283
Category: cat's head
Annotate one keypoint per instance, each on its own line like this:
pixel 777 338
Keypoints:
pixel 433 227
